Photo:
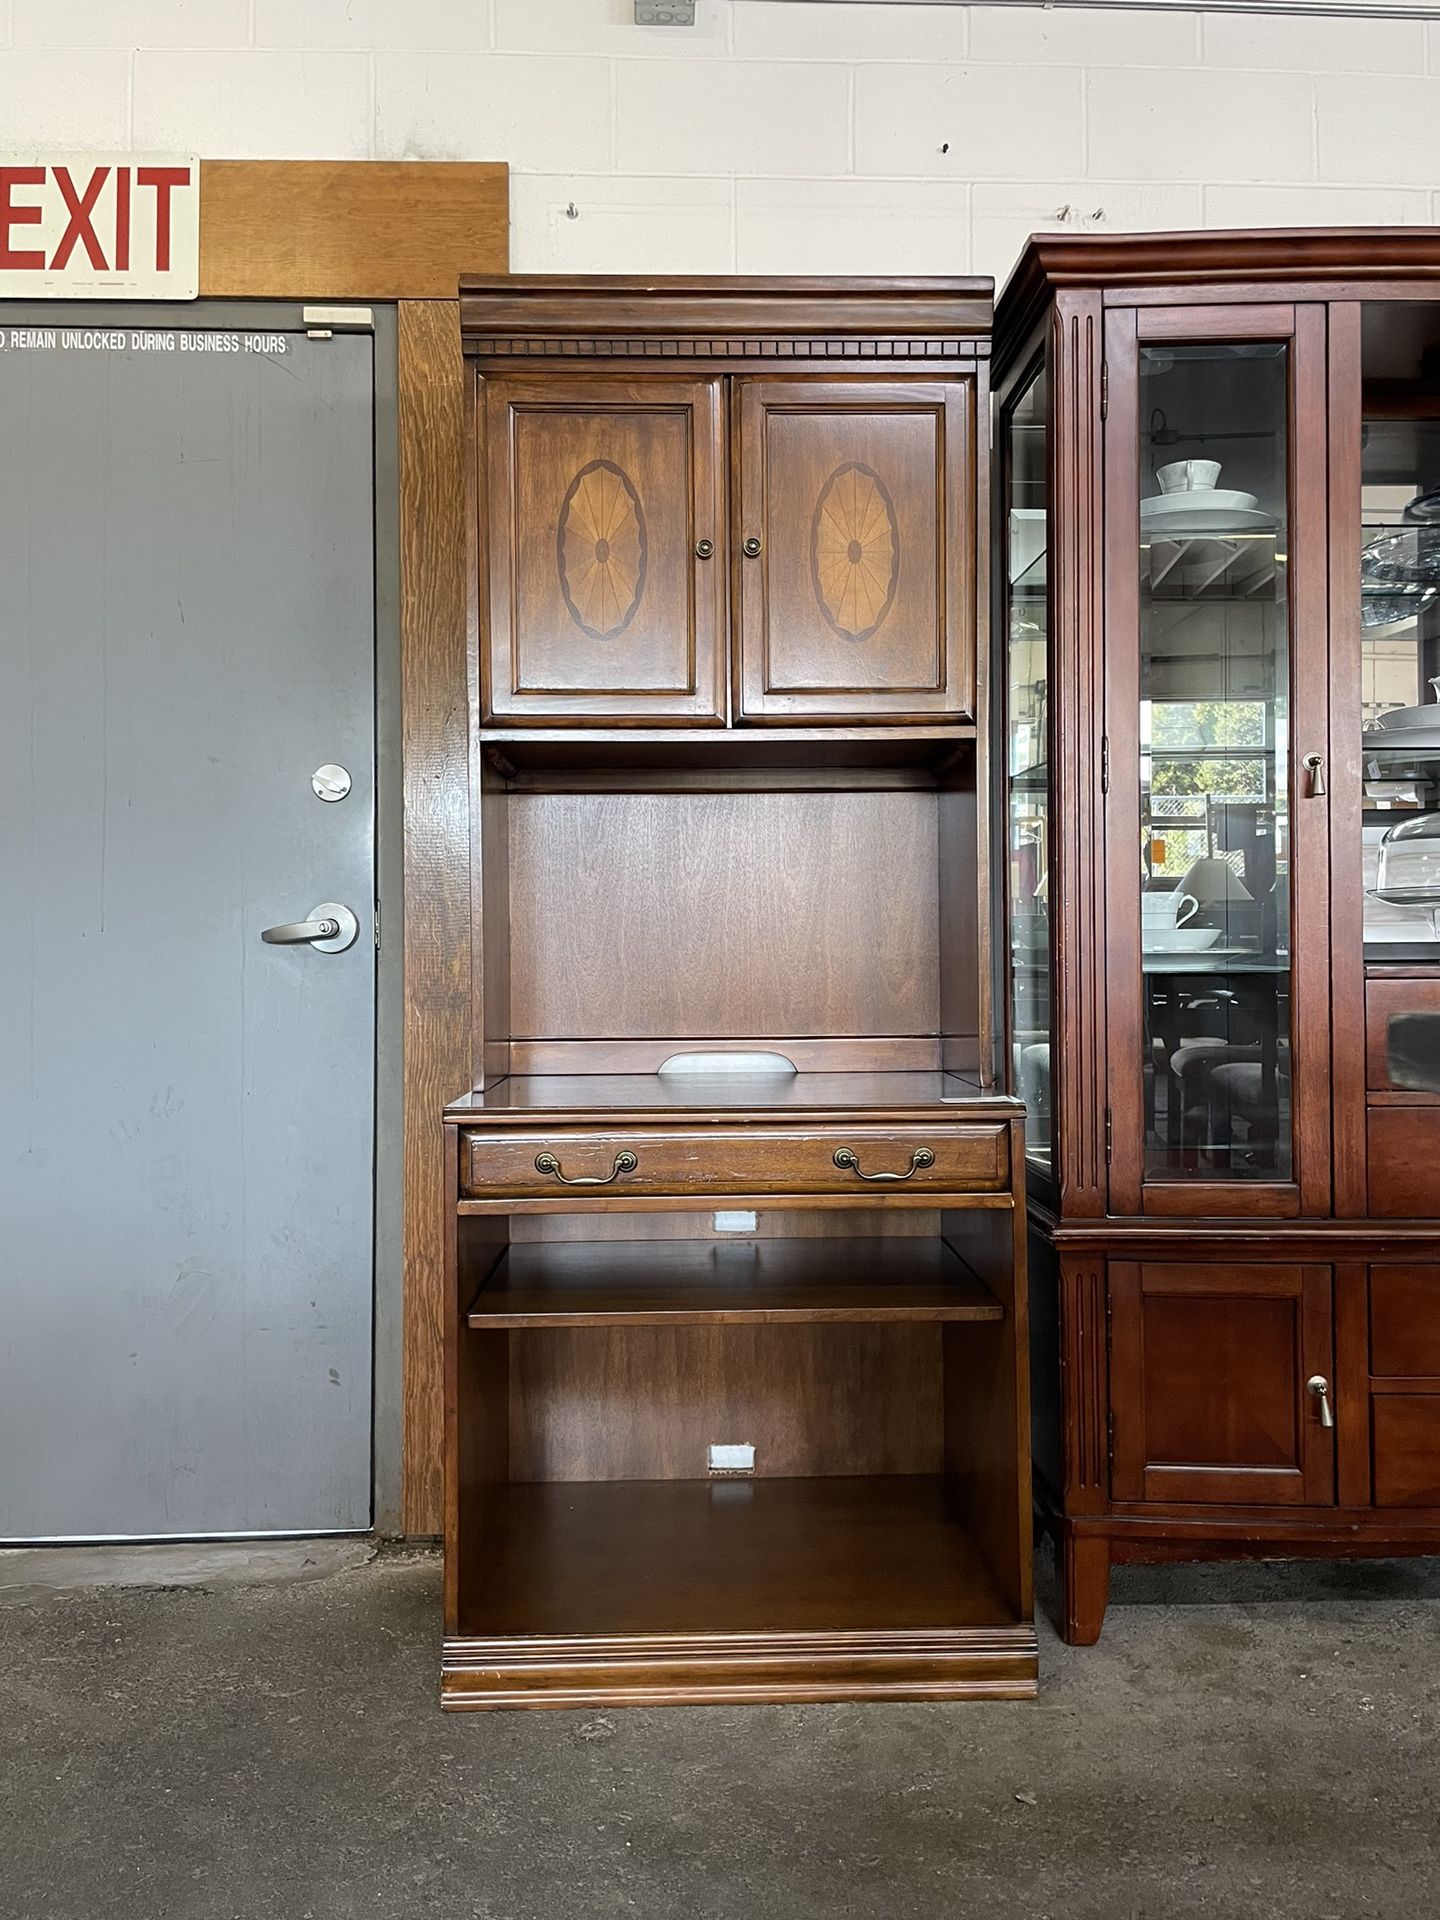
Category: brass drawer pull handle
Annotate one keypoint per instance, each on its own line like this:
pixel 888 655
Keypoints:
pixel 847 1157
pixel 624 1163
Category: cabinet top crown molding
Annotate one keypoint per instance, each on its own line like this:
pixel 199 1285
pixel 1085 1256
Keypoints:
pixel 700 316
pixel 1256 257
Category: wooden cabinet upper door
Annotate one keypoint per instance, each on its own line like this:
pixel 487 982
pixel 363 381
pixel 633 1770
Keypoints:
pixel 1209 1398
pixel 601 535
pixel 856 529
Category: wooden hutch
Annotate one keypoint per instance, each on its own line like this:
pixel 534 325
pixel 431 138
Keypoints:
pixel 1218 633
pixel 736 1346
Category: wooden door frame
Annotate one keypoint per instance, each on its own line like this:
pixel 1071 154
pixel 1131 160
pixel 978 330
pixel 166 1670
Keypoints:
pixel 1300 326
pixel 401 232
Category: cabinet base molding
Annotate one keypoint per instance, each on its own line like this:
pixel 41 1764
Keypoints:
pixel 657 1670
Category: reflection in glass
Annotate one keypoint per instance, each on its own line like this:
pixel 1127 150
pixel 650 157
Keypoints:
pixel 1027 787
pixel 1400 640
pixel 1215 761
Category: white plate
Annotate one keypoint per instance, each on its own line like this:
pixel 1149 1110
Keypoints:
pixel 1188 523
pixel 1201 500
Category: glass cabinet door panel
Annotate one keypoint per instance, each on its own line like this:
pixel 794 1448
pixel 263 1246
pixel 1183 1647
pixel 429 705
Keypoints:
pixel 1400 635
pixel 1027 765
pixel 1214 770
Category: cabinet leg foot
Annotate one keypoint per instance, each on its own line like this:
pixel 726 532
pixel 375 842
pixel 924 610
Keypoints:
pixel 1085 1588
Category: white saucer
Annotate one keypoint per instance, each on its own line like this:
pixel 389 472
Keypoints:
pixel 1201 500
pixel 1167 515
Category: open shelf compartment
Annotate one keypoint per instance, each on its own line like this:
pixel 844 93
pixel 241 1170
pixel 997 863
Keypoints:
pixel 581 1283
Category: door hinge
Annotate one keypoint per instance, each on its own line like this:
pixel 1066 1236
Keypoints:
pixel 377 926
pixel 1109 1143
pixel 1104 388
pixel 1104 763
pixel 323 323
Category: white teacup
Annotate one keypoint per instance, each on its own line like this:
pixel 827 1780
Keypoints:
pixel 1168 911
pixel 1188 476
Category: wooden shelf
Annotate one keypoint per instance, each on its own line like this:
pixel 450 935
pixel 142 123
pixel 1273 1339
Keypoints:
pixel 743 748
pixel 618 1557
pixel 651 1283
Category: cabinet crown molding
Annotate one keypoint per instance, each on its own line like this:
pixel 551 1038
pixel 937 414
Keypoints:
pixel 1121 262
pixel 604 316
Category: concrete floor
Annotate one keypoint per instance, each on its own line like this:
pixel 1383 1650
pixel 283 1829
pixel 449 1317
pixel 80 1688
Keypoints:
pixel 257 1737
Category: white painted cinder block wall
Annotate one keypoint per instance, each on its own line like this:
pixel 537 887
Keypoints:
pixel 776 135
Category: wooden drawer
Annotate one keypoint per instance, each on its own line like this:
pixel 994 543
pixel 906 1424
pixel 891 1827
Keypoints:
pixel 1402 1036
pixel 1405 1321
pixel 1407 1449
pixel 1404 1162
pixel 759 1160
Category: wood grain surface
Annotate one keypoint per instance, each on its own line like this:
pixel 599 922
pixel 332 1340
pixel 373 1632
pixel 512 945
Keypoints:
pixel 437 857
pixel 350 229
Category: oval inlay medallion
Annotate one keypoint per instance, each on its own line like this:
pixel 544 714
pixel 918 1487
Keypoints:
pixel 855 551
pixel 601 550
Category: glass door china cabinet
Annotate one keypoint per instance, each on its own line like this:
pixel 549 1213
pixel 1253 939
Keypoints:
pixel 1218 582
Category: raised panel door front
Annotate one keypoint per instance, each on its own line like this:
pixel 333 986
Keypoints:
pixel 856 531
pixel 1209 1368
pixel 602 538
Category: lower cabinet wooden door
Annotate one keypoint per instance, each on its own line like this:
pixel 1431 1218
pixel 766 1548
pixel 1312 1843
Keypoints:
pixel 1210 1371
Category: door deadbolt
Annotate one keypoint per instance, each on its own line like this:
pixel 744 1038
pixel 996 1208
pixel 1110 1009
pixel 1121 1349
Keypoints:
pixel 330 782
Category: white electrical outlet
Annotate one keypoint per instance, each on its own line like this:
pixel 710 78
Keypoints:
pixel 737 1221
pixel 733 1457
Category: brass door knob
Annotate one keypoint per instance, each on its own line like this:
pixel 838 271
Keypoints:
pixel 704 549
pixel 751 548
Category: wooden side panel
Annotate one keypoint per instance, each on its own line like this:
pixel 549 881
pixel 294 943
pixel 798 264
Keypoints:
pixel 987 1395
pixel 351 229
pixel 645 1403
pixel 437 856
pixel 1077 617
pixel 1085 1384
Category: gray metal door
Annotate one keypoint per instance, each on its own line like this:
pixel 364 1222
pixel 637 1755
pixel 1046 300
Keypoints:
pixel 186 1113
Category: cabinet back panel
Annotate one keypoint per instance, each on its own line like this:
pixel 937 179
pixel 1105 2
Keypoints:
pixel 644 1403
pixel 715 915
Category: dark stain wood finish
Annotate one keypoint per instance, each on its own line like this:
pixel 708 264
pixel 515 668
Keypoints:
pixel 793 612
pixel 1208 1370
pixel 1183 1429
pixel 934 1161
pixel 597 495
pixel 660 865
pixel 1403 1154
pixel 856 531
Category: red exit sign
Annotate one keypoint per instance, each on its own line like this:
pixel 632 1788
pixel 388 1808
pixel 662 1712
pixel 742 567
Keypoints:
pixel 99 225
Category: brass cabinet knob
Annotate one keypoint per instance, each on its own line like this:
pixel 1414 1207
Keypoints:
pixel 751 548
pixel 704 549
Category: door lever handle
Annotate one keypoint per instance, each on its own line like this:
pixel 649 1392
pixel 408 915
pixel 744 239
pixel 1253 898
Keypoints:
pixel 294 932
pixel 331 928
